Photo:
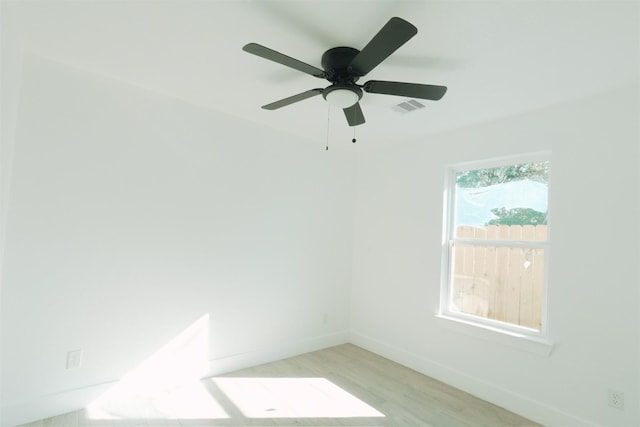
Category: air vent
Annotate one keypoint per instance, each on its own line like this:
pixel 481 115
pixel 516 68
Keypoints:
pixel 408 106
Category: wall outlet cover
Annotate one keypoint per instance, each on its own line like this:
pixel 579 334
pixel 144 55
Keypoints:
pixel 616 399
pixel 74 359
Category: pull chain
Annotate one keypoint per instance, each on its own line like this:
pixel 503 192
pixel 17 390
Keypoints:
pixel 328 123
pixel 354 127
pixel 326 146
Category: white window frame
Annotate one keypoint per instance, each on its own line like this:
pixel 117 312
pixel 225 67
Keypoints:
pixel 478 325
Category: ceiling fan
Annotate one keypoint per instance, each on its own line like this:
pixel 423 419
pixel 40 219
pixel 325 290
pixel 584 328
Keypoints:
pixel 343 66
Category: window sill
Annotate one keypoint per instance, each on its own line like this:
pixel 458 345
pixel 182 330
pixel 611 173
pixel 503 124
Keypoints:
pixel 538 346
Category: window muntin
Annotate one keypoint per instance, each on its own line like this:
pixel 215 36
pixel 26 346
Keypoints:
pixel 497 244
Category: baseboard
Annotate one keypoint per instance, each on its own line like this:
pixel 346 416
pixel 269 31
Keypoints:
pixel 51 404
pixel 519 404
pixel 71 400
pixel 279 352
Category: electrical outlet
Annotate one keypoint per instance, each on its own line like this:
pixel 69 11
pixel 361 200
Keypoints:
pixel 74 359
pixel 616 399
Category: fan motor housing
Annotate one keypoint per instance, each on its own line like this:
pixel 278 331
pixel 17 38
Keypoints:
pixel 336 62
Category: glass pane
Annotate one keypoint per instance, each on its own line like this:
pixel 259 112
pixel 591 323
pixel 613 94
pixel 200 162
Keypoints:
pixel 499 283
pixel 503 203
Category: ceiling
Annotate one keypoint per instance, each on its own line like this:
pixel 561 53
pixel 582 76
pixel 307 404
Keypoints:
pixel 497 58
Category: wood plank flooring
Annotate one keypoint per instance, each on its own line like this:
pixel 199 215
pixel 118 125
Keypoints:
pixel 339 386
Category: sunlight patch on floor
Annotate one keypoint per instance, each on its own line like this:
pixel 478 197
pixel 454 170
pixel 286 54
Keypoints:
pixel 166 385
pixel 293 398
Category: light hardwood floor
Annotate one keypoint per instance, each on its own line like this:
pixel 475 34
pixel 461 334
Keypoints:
pixel 339 386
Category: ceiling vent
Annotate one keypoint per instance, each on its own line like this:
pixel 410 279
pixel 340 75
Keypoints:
pixel 408 106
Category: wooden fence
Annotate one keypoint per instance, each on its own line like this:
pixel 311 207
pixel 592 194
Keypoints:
pixel 501 283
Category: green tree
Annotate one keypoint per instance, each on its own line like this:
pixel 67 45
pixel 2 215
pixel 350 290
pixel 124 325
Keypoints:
pixel 537 171
pixel 517 216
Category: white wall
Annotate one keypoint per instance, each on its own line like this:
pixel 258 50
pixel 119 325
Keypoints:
pixel 132 215
pixel 10 72
pixel 593 281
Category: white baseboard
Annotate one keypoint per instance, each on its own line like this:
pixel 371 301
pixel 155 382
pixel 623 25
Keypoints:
pixel 65 401
pixel 522 405
pixel 51 404
pixel 70 400
pixel 279 352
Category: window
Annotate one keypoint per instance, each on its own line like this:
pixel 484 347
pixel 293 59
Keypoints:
pixel 497 244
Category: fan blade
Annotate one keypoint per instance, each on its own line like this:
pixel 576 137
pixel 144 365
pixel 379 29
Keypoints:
pixel 410 90
pixel 354 115
pixel 394 34
pixel 292 99
pixel 280 58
